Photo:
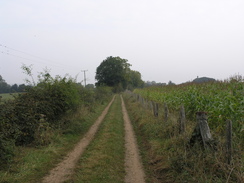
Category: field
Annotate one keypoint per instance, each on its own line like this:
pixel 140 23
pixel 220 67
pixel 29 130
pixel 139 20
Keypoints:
pixel 172 155
pixel 42 126
pixel 221 100
pixel 6 96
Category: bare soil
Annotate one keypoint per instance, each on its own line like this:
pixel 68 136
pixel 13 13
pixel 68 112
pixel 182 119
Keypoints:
pixel 65 168
pixel 133 166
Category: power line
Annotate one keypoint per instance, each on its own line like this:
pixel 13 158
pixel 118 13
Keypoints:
pixel 17 56
pixel 31 59
pixel 23 52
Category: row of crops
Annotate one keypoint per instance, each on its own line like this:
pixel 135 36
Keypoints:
pixel 222 100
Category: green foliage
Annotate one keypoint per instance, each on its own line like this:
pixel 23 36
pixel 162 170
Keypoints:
pixel 4 87
pixel 9 131
pixel 168 155
pixel 29 119
pixel 115 72
pixel 21 120
pixel 31 164
pixel 221 100
pixel 112 72
pixel 28 71
pixel 102 93
pixel 135 80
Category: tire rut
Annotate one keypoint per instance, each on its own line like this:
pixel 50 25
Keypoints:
pixel 65 168
pixel 133 166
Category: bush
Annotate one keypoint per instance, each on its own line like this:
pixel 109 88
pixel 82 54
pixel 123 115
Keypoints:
pixel 21 120
pixel 9 131
pixel 30 117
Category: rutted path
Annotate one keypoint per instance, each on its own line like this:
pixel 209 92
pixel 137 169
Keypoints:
pixel 132 165
pixel 64 169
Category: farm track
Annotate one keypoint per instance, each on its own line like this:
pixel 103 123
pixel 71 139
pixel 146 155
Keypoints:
pixel 65 168
pixel 132 164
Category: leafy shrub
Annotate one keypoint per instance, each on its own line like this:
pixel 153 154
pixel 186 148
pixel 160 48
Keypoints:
pixel 9 131
pixel 30 117
pixel 21 120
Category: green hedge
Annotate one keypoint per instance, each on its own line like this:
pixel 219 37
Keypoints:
pixel 28 118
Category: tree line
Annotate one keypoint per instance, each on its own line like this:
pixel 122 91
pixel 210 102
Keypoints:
pixel 7 88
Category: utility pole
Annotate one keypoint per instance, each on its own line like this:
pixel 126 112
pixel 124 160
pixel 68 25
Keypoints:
pixel 84 75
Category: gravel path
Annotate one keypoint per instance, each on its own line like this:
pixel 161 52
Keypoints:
pixel 65 168
pixel 133 165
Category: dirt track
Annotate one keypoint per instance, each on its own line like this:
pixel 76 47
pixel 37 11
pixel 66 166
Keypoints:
pixel 133 166
pixel 65 168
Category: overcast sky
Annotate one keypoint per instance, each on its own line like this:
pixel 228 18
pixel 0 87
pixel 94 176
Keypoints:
pixel 164 40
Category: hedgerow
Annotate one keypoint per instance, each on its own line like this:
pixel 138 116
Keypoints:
pixel 28 119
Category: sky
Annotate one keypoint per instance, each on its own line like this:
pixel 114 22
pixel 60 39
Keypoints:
pixel 165 40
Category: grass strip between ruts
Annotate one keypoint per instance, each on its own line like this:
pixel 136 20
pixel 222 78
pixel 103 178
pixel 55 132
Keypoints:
pixel 103 161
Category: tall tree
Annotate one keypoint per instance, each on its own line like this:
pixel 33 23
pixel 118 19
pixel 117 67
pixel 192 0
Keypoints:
pixel 114 71
pixel 135 80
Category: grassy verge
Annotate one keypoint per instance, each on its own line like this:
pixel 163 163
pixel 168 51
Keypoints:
pixel 103 160
pixel 167 158
pixel 31 164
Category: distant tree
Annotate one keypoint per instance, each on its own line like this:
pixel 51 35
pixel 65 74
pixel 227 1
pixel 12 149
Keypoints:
pixel 90 86
pixel 135 80
pixel 114 72
pixel 14 88
pixel 22 88
pixel 4 87
pixel 171 83
pixel 203 80
pixel 153 83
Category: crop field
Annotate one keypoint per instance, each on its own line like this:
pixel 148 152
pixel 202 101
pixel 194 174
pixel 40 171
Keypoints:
pixel 221 100
pixel 171 151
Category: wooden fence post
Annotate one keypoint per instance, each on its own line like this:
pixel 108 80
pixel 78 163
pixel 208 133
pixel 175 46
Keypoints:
pixel 182 120
pixel 202 132
pixel 229 140
pixel 155 109
pixel 204 128
pixel 166 112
